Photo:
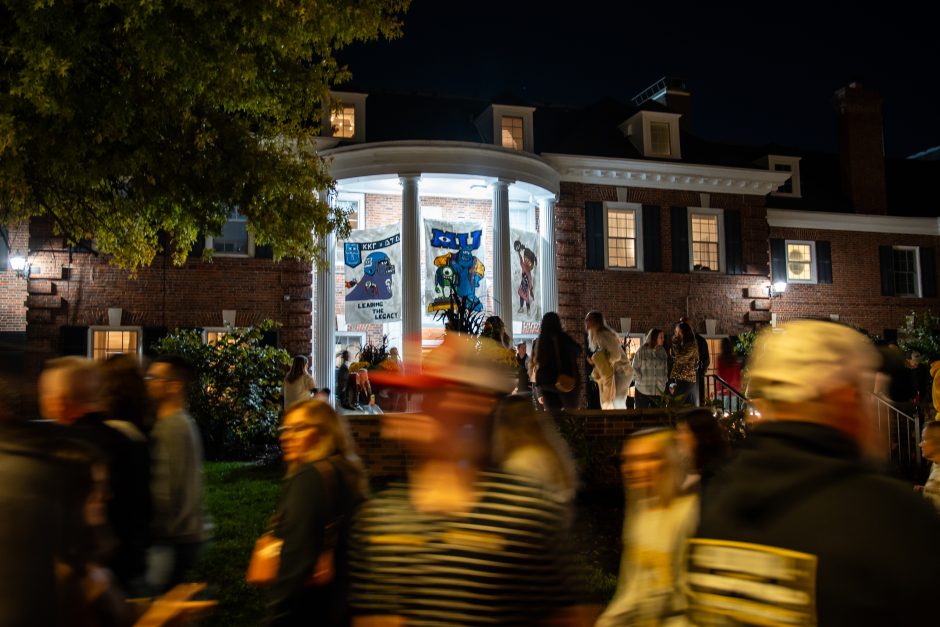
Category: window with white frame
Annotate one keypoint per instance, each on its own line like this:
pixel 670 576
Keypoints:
pixel 343 121
pixel 513 133
pixel 660 141
pixel 234 240
pixel 350 341
pixel 354 206
pixel 777 163
pixel 801 262
pixel 906 271
pixel 705 240
pixel 622 227
pixel 103 342
pixel 521 215
pixel 212 335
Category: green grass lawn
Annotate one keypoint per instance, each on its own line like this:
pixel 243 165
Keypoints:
pixel 242 496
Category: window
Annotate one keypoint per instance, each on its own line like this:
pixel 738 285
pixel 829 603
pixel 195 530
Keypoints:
pixel 106 341
pixel 343 121
pixel 621 228
pixel 705 228
pixel 512 132
pixel 211 335
pixel 778 163
pixel 352 342
pixel 906 271
pixel 660 142
pixel 234 240
pixel 353 205
pixel 801 266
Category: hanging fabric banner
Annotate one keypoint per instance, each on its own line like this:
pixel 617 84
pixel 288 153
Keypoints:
pixel 454 256
pixel 373 290
pixel 525 287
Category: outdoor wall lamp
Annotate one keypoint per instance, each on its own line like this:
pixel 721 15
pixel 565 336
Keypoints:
pixel 776 289
pixel 20 266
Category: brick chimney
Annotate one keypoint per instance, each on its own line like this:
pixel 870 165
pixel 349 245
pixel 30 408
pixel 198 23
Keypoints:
pixel 861 148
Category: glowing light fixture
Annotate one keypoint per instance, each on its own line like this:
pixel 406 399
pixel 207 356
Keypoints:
pixel 776 289
pixel 20 266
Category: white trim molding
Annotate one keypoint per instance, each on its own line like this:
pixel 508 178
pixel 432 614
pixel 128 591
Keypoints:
pixel 444 157
pixel 638 129
pixel 665 175
pixel 637 210
pixel 854 222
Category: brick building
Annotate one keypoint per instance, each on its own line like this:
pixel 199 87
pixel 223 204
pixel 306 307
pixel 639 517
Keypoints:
pixel 638 217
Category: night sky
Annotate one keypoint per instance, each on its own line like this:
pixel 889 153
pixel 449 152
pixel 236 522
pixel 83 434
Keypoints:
pixel 760 72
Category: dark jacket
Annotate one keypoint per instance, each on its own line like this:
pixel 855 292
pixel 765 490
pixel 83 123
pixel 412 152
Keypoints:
pixel 309 501
pixel 868 547
pixel 558 356
pixel 704 359
pixel 129 508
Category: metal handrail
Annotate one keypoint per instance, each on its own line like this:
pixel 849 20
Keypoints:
pixel 886 408
pixel 729 387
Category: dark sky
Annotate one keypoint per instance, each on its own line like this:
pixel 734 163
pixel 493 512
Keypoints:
pixel 759 72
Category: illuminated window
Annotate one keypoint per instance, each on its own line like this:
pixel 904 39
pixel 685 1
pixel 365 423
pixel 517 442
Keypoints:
pixel 706 249
pixel 343 121
pixel 353 205
pixel 234 239
pixel 107 341
pixel 212 335
pixel 352 342
pixel 906 271
pixel 621 238
pixel 801 267
pixel 660 140
pixel 512 132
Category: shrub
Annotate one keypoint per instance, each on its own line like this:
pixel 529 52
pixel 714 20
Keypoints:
pixel 920 334
pixel 236 393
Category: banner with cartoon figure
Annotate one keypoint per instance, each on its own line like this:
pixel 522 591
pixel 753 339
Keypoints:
pixel 525 287
pixel 455 266
pixel 372 259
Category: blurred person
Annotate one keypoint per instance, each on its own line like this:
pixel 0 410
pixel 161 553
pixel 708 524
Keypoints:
pixel 930 449
pixel 684 353
pixel 71 392
pixel 129 410
pixel 459 543
pixel 343 380
pixel 324 483
pixel 651 370
pixel 180 527
pixel 612 370
pixel 704 360
pixel 799 526
pixel 298 384
pixel 703 446
pixel 658 521
pixel 555 355
pixel 528 445
pixel 523 384
pixel 495 329
pixel 729 369
pixel 323 394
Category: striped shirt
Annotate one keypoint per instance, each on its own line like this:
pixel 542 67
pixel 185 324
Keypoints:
pixel 505 562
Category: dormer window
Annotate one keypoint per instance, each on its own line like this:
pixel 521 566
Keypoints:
pixel 508 126
pixel 346 117
pixel 654 134
pixel 513 132
pixel 777 163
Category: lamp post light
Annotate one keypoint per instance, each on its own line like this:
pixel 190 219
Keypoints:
pixel 20 266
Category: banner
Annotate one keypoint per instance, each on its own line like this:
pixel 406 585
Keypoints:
pixel 372 258
pixel 455 255
pixel 525 286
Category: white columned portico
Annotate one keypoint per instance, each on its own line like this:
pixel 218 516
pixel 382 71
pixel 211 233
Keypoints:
pixel 324 320
pixel 548 271
pixel 411 316
pixel 502 268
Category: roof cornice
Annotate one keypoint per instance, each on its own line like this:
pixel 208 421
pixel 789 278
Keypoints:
pixel 665 175
pixel 864 223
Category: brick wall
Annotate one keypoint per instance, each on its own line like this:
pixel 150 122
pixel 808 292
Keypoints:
pixel 78 289
pixel 855 292
pixel 658 298
pixel 12 287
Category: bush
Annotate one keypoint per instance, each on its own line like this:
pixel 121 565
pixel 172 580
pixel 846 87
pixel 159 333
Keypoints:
pixel 920 334
pixel 236 393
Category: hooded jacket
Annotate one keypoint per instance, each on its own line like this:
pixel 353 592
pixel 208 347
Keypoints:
pixel 800 527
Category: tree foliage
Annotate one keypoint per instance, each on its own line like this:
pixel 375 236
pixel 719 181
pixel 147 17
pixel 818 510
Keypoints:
pixel 122 119
pixel 921 334
pixel 236 395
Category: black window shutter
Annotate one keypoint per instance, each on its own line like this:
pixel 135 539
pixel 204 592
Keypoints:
pixel 928 272
pixel 152 335
pixel 886 258
pixel 594 225
pixel 679 224
pixel 652 239
pixel 734 263
pixel 73 341
pixel 823 262
pixel 778 260
pixel 4 250
pixel 198 246
pixel 264 252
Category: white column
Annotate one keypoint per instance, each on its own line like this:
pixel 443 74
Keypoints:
pixel 547 263
pixel 410 272
pixel 324 316
pixel 502 268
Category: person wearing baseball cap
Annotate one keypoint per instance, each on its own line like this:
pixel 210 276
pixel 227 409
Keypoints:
pixel 459 543
pixel 802 528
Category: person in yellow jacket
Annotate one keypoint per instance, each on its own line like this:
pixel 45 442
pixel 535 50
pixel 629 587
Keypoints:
pixel 935 389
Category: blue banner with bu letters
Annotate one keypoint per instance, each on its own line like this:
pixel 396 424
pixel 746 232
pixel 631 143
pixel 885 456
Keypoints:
pixel 455 266
pixel 372 262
